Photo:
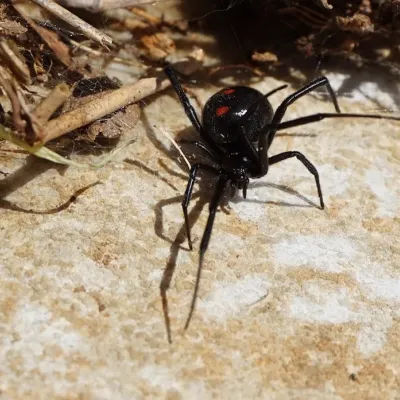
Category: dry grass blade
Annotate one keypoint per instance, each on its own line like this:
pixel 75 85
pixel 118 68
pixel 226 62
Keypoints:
pixel 43 152
pixel 171 139
pixel 87 29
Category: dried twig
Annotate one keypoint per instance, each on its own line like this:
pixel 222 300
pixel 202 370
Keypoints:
pixel 15 62
pixel 98 108
pixel 32 129
pixel 151 19
pixel 6 84
pixel 23 120
pixel 50 104
pixel 325 4
pixel 97 53
pixel 100 5
pixel 87 29
pixel 60 49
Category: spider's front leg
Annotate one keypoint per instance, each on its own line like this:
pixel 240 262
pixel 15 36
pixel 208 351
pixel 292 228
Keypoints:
pixel 290 154
pixel 188 194
pixel 310 87
pixel 268 136
pixel 189 109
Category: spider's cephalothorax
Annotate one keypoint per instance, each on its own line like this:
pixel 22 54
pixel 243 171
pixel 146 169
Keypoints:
pixel 239 126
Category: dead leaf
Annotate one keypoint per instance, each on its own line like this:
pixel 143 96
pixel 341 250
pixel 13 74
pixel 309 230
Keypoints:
pixel 117 125
pixel 61 50
pixel 266 57
pixel 158 46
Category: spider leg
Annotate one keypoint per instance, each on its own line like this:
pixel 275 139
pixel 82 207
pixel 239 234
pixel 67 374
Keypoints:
pixel 273 91
pixel 311 86
pixel 218 193
pixel 320 116
pixel 247 145
pixel 290 154
pixel 188 194
pixel 189 109
pixel 268 135
pixel 201 146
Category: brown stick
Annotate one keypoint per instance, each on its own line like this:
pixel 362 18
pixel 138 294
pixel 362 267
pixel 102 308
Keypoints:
pixel 87 29
pixel 97 53
pixel 99 5
pixel 14 62
pixel 98 108
pixel 19 123
pixel 50 104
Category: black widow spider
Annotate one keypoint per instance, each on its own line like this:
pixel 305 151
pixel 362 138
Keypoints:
pixel 234 119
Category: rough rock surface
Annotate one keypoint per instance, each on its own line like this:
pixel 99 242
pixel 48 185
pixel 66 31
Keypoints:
pixel 295 302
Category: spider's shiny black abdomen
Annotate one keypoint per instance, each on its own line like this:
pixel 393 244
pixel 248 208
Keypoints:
pixel 224 110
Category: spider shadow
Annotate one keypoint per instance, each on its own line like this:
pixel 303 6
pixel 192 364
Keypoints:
pixel 146 169
pixel 203 194
pixel 176 245
pixel 307 203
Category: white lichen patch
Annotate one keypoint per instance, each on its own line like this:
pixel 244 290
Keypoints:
pixel 379 91
pixel 388 200
pixel 37 328
pixel 252 208
pixel 319 303
pixel 376 283
pixel 334 180
pixel 322 305
pixel 336 80
pixel 158 376
pixel 329 306
pixel 39 341
pixel 370 340
pixel 278 189
pixel 230 299
pixel 327 253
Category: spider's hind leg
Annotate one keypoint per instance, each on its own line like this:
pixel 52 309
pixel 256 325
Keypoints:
pixel 290 154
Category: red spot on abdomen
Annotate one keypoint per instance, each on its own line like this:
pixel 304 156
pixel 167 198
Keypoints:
pixel 229 91
pixel 221 111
